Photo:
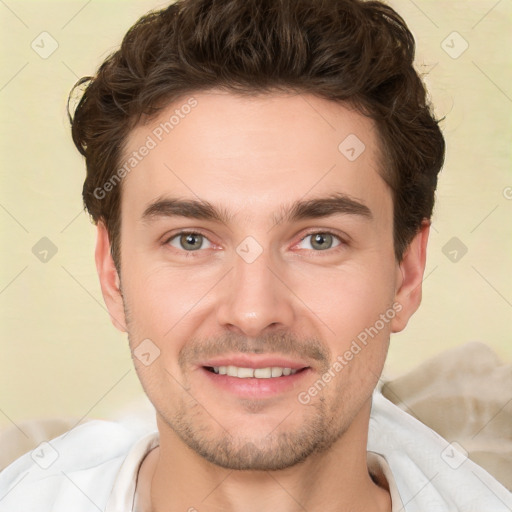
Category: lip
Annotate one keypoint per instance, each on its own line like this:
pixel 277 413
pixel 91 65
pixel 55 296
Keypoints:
pixel 255 388
pixel 255 361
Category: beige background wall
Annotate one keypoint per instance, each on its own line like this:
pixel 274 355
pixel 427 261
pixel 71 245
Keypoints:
pixel 59 353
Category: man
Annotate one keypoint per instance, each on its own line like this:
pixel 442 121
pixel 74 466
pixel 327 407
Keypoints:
pixel 262 175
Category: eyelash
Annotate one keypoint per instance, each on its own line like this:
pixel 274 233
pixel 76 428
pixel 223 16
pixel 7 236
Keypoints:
pixel 198 232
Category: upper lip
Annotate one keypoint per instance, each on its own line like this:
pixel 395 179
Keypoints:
pixel 256 361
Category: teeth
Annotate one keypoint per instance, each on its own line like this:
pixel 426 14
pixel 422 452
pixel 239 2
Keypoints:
pixel 243 373
pixel 258 373
pixel 232 371
pixel 275 372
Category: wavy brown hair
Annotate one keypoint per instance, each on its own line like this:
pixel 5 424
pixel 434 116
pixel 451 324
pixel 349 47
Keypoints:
pixel 351 51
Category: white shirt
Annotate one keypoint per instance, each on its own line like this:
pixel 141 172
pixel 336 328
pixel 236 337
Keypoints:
pixel 94 468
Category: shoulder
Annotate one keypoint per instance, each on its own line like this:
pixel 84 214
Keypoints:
pixel 431 473
pixel 77 467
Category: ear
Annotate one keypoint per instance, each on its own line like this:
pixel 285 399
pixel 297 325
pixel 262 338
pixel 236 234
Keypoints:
pixel 410 277
pixel 109 278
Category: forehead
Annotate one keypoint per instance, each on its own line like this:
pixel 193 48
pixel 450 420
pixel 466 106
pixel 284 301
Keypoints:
pixel 253 153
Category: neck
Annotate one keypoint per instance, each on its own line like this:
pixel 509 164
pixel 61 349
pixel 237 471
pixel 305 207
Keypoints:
pixel 175 478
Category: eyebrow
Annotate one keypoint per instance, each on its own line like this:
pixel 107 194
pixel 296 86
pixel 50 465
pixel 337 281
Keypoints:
pixel 299 210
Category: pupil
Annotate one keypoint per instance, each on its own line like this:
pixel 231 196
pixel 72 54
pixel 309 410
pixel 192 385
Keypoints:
pixel 320 239
pixel 189 241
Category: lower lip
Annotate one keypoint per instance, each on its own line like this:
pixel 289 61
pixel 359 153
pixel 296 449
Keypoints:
pixel 252 387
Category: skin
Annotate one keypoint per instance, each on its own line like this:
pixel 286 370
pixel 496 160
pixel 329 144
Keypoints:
pixel 252 157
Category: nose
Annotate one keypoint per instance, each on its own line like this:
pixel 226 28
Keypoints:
pixel 255 299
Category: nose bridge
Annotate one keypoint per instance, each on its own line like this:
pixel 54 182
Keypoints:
pixel 254 298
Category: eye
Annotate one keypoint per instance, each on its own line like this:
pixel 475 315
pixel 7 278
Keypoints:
pixel 188 241
pixel 322 240
pixel 191 241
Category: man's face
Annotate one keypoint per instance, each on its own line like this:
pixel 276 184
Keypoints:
pixel 263 285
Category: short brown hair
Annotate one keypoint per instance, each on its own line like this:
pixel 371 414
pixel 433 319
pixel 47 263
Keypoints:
pixel 352 51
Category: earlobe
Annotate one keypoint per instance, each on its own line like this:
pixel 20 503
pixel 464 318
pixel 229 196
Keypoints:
pixel 410 277
pixel 109 278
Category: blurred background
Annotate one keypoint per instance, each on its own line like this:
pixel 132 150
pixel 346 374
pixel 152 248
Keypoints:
pixel 60 355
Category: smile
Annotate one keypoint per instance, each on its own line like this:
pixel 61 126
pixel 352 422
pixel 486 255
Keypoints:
pixel 258 373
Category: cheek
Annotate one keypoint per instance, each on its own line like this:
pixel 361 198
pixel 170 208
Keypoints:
pixel 360 314
pixel 358 311
pixel 160 298
pixel 347 299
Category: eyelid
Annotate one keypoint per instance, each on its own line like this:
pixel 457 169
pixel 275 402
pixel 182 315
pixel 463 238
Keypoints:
pixel 188 231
